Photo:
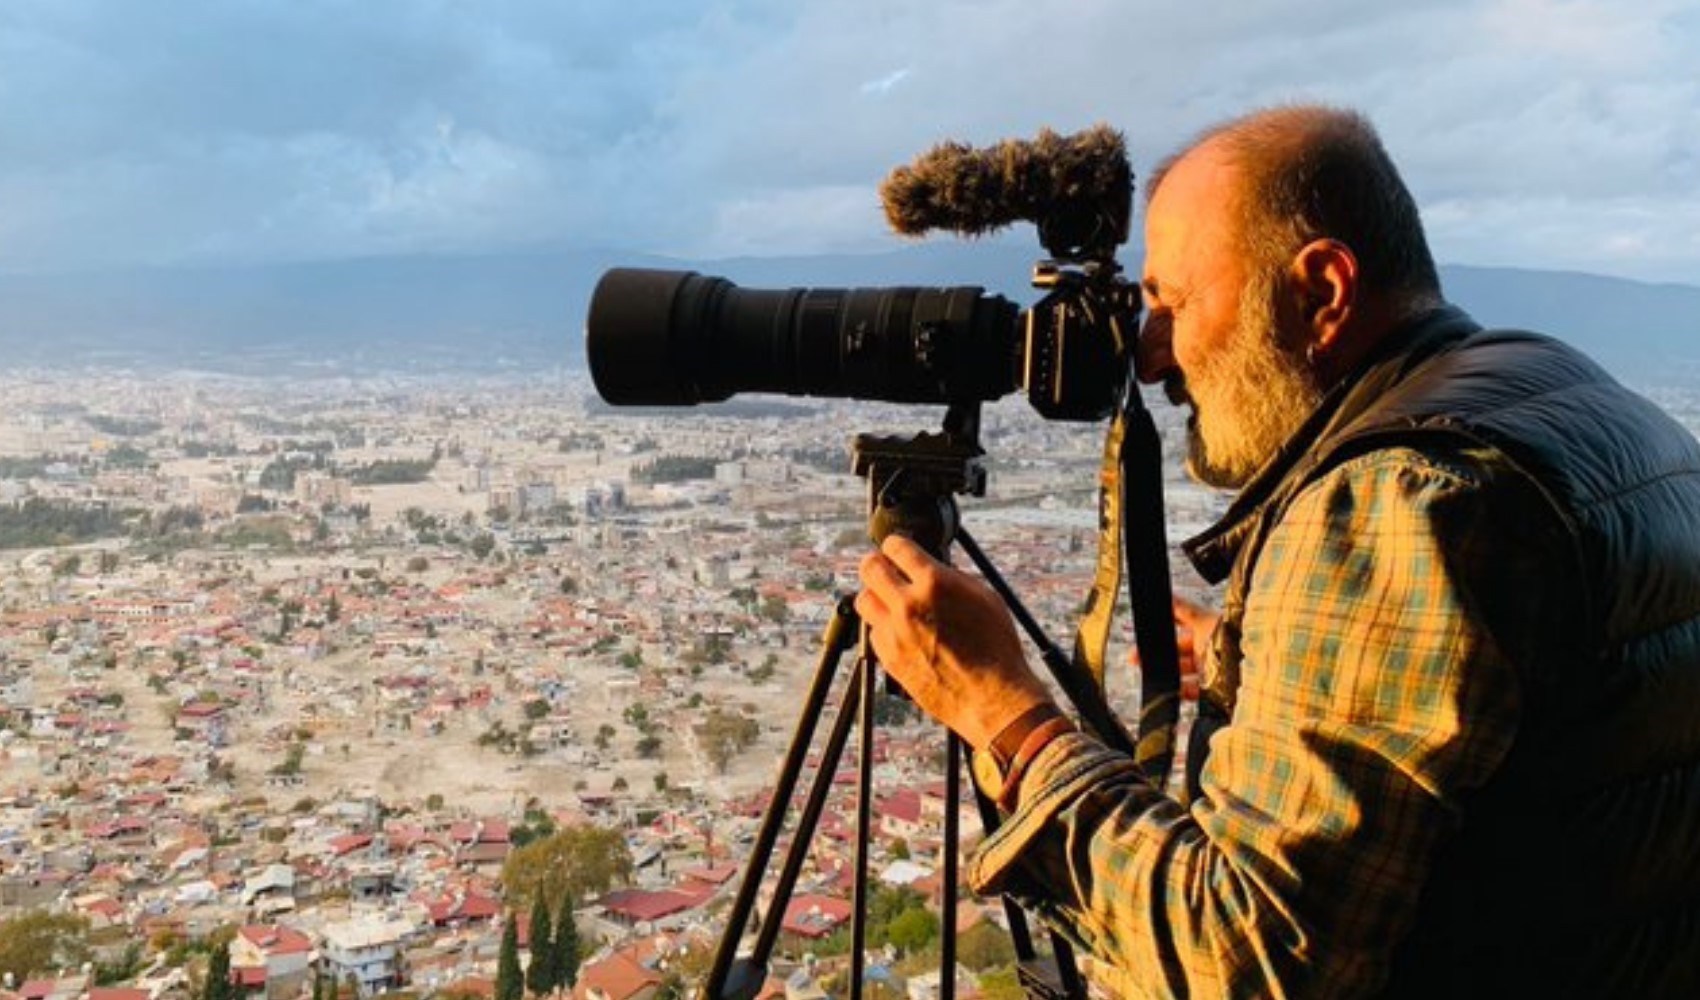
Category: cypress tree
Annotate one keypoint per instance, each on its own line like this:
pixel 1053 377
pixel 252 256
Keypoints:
pixel 566 949
pixel 510 983
pixel 218 975
pixel 540 974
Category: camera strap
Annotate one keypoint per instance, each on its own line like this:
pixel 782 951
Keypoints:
pixel 1134 522
pixel 1092 634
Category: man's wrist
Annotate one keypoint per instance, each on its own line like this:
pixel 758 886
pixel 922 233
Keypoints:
pixel 1035 743
pixel 999 766
pixel 1007 743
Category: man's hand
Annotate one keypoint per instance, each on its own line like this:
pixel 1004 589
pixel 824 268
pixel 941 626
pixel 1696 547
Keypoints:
pixel 947 638
pixel 1194 624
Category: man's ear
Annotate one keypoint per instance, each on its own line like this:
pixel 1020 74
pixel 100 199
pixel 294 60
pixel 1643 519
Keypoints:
pixel 1325 282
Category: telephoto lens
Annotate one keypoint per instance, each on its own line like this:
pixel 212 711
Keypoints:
pixel 679 338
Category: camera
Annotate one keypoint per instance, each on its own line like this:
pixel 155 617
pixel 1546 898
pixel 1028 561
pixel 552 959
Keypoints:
pixel 679 338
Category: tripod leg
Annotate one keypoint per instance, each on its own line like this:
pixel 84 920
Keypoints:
pixel 952 840
pixel 841 633
pixel 868 686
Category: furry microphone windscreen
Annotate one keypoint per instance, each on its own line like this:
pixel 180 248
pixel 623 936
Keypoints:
pixel 977 191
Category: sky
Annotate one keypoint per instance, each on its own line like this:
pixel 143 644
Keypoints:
pixel 1554 134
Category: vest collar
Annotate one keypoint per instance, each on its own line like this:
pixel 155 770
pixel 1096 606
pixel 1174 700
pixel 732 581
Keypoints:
pixel 1214 550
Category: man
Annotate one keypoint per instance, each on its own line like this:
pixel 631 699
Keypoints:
pixel 1450 736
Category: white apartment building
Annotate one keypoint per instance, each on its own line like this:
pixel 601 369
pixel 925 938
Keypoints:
pixel 367 948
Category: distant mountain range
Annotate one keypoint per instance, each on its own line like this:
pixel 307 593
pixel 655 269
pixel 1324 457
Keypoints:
pixel 525 312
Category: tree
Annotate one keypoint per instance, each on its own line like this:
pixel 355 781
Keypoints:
pixel 580 860
pixel 117 970
pixel 291 763
pixel 724 735
pixel 762 673
pixel 913 929
pixel 540 974
pixel 774 609
pixel 984 946
pixel 565 952
pixel 39 941
pixel 1002 984
pixel 217 986
pixel 510 984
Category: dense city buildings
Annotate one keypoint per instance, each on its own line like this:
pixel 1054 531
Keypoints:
pixel 343 675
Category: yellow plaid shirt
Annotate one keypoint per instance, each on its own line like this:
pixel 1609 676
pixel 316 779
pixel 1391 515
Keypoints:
pixel 1373 699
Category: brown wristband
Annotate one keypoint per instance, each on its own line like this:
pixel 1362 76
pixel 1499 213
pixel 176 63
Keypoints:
pixel 1031 747
pixel 1007 743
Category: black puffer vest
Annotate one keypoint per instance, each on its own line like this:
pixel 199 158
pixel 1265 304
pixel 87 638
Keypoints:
pixel 1576 872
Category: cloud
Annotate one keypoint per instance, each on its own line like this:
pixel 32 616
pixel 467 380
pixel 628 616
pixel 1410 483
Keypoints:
pixel 219 131
pixel 795 221
pixel 884 84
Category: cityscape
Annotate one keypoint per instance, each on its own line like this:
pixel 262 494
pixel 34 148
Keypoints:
pixel 321 669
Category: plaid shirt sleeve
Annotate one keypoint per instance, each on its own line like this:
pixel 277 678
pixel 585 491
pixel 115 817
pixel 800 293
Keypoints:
pixel 1373 697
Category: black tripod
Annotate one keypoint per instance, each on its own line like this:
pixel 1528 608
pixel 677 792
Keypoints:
pixel 912 487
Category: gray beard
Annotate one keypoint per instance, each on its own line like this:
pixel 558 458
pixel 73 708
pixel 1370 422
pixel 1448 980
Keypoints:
pixel 1250 399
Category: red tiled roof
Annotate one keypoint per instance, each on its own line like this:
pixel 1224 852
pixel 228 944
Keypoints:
pixel 815 916
pixel 617 977
pixel 903 805
pixel 715 875
pixel 274 940
pixel 117 827
pixel 471 906
pixel 645 904
pixel 347 842
pixel 109 908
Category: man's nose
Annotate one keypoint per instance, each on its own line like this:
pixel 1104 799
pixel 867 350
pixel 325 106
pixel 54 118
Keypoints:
pixel 1152 355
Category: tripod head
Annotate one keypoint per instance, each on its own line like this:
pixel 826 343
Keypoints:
pixel 912 481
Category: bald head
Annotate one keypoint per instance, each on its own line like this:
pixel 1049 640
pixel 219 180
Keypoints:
pixel 1309 172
